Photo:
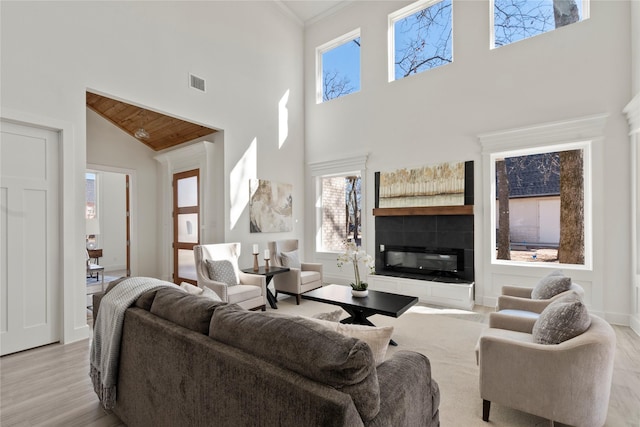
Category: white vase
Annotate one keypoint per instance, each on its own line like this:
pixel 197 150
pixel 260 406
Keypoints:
pixel 359 294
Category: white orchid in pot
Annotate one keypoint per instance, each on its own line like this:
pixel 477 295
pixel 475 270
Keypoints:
pixel 355 255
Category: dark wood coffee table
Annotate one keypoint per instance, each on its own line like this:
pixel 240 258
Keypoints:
pixel 376 302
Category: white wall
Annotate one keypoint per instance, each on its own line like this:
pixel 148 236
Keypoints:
pixel 437 115
pixel 248 52
pixel 113 219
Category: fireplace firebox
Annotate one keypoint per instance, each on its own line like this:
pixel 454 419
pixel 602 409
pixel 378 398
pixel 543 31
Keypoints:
pixel 435 264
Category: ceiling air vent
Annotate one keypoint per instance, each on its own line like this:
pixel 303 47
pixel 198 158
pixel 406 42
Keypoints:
pixel 196 83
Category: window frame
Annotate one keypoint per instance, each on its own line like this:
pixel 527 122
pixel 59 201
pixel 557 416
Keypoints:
pixel 326 47
pixel 399 15
pixel 585 146
pixel 333 168
pixel 567 134
pixel 586 14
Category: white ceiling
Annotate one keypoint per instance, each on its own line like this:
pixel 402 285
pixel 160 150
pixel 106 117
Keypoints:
pixel 307 11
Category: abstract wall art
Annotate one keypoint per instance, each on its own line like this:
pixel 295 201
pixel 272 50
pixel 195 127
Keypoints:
pixel 442 184
pixel 270 206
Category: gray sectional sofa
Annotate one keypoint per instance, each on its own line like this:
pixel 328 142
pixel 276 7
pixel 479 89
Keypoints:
pixel 189 361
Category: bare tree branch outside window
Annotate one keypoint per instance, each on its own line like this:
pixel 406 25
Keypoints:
pixel 516 20
pixel 423 40
pixel 335 79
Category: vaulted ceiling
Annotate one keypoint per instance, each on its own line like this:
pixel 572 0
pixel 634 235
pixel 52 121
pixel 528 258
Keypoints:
pixel 162 131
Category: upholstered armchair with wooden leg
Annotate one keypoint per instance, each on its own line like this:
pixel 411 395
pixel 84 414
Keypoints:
pixel 217 268
pixel 303 277
pixel 568 382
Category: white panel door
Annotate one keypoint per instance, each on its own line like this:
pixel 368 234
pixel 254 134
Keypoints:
pixel 29 250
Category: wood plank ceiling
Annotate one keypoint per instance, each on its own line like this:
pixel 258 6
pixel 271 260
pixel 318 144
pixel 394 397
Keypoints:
pixel 163 131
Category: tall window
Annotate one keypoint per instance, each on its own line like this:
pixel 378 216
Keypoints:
pixel 540 205
pixel 420 38
pixel 338 67
pixel 515 20
pixel 91 210
pixel 341 211
pixel 340 188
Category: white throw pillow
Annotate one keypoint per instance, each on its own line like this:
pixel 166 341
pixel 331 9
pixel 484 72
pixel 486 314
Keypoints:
pixel 377 337
pixel 290 259
pixel 210 293
pixel 194 290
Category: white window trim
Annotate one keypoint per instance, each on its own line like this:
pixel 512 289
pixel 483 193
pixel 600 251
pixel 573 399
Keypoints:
pixel 320 50
pixel 581 133
pixel 344 166
pixel 391 21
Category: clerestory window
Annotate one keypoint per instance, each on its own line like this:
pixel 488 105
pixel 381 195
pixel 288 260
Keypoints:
pixel 515 20
pixel 420 38
pixel 338 67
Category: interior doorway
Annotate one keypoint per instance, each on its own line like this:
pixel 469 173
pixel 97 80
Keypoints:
pixel 109 219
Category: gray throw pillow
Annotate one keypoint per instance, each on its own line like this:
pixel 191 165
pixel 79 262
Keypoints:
pixel 222 271
pixel 332 316
pixel 551 285
pixel 561 320
pixel 290 259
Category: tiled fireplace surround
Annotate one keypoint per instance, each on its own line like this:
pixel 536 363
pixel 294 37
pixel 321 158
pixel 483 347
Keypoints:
pixel 427 231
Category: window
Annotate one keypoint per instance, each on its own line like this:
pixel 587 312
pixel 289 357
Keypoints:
pixel 540 207
pixel 341 211
pixel 338 67
pixel 548 171
pixel 420 38
pixel 339 202
pixel 515 20
pixel 91 210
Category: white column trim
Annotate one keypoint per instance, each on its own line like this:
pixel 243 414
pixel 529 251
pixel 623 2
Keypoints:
pixel 632 110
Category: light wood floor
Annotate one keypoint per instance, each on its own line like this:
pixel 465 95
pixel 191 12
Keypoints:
pixel 50 386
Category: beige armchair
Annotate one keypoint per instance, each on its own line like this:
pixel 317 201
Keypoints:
pixel 517 300
pixel 303 277
pixel 568 382
pixel 249 291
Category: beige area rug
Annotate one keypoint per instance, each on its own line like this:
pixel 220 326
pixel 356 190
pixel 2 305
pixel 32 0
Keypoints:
pixel 448 338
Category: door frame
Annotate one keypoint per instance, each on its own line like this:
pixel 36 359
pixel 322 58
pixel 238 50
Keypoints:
pixel 176 211
pixel 132 220
pixel 72 268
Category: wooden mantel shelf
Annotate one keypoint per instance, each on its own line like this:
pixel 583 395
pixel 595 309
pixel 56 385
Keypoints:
pixel 425 210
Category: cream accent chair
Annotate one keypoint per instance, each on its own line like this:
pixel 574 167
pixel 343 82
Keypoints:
pixel 568 382
pixel 250 293
pixel 517 301
pixel 298 280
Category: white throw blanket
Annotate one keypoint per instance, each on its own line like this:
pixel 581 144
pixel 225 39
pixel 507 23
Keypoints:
pixel 107 333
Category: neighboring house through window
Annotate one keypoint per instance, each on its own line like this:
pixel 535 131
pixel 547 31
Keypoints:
pixel 540 186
